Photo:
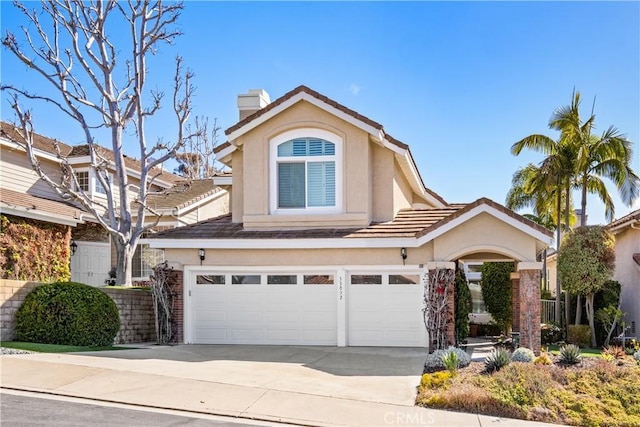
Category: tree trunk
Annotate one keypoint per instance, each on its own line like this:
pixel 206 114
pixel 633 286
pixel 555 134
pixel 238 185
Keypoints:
pixel 590 315
pixel 558 315
pixel 583 205
pixel 124 257
pixel 567 296
pixel 579 310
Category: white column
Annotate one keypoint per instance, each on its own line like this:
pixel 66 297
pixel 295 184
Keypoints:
pixel 341 295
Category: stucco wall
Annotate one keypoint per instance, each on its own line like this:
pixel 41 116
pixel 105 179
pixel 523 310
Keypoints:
pixel 290 257
pixel 627 272
pixel 373 186
pixel 487 233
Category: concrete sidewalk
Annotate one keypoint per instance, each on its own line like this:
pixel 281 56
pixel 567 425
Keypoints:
pixel 199 386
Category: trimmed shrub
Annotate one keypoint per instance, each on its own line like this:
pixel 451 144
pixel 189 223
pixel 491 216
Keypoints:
pixel 434 361
pixel 579 335
pixel 496 292
pixel 523 354
pixel 67 313
pixel 550 333
pixel 497 359
pixel 463 306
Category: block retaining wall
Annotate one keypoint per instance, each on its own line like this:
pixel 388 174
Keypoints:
pixel 137 320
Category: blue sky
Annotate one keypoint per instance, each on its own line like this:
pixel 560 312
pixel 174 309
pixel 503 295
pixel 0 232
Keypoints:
pixel 459 82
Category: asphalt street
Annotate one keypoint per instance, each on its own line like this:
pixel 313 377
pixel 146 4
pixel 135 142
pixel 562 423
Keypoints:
pixel 23 409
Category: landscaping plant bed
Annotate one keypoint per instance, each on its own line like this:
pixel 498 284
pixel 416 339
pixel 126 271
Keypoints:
pixel 594 392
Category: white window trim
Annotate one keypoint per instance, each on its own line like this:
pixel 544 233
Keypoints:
pixel 93 180
pixel 273 170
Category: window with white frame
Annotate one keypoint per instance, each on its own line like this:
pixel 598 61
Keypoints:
pixel 144 259
pixel 83 180
pixel 89 182
pixel 306 172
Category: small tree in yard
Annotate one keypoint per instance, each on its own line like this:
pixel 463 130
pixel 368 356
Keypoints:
pixel 585 262
pixel 496 292
pixel 71 45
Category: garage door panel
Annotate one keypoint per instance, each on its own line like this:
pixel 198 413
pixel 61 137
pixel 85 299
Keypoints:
pixel 263 314
pixel 385 314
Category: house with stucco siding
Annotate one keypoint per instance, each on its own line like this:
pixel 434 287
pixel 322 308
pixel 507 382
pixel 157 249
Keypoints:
pixel 333 236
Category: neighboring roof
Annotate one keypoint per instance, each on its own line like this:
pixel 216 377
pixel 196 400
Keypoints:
pixel 186 193
pixel 26 205
pixel 408 224
pixel 40 142
pixel 625 220
pixel 372 126
pixel 130 162
pixel 47 145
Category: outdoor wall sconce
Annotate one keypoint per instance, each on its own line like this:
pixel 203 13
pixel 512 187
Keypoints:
pixel 403 254
pixel 201 255
pixel 73 246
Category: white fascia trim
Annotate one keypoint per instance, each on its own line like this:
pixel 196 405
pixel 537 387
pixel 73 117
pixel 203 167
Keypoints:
pixel 222 180
pixel 302 96
pixel 225 152
pixel 36 151
pixel 201 202
pixel 280 243
pixel 418 184
pixel 491 211
pixel 40 216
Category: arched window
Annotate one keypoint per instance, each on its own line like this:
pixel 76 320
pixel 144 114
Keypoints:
pixel 305 172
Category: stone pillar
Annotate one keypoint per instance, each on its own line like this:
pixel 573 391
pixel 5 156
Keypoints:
pixel 441 288
pixel 515 298
pixel 176 285
pixel 529 293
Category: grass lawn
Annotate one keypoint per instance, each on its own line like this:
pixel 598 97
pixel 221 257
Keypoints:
pixel 586 352
pixel 55 348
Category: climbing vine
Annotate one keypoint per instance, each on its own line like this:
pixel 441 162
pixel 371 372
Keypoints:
pixel 163 302
pixel 438 308
pixel 34 250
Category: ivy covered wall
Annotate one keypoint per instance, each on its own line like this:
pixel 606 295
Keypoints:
pixel 34 250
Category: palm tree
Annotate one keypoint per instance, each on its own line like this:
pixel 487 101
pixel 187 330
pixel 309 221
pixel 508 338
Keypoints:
pixel 606 156
pixel 551 180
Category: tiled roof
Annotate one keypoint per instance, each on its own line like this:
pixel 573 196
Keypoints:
pixel 130 162
pixel 48 145
pixel 408 223
pixel 633 216
pixel 40 142
pixel 14 199
pixel 186 194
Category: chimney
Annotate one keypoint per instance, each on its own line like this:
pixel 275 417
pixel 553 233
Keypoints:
pixel 252 101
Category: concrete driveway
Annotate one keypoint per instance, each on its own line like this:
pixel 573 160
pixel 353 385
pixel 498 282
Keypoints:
pixel 384 375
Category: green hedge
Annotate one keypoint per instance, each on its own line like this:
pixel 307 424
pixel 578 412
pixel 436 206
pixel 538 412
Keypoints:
pixel 67 313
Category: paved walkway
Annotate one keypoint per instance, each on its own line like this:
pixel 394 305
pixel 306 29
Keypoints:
pixel 299 385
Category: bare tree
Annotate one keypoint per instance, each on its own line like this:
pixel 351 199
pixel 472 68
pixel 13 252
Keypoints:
pixel 102 87
pixel 197 159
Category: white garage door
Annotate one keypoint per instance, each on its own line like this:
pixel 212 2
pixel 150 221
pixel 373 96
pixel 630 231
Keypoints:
pixel 257 308
pixel 385 309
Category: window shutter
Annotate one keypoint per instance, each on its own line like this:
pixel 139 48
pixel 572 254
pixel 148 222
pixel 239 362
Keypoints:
pixel 321 181
pixel 291 192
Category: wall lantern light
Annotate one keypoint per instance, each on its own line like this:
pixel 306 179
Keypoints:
pixel 201 254
pixel 73 246
pixel 403 254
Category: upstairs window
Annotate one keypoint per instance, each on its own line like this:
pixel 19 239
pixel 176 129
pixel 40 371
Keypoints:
pixel 305 175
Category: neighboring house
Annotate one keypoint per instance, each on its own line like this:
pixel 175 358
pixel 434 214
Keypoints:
pixel 627 233
pixel 333 235
pixel 23 194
